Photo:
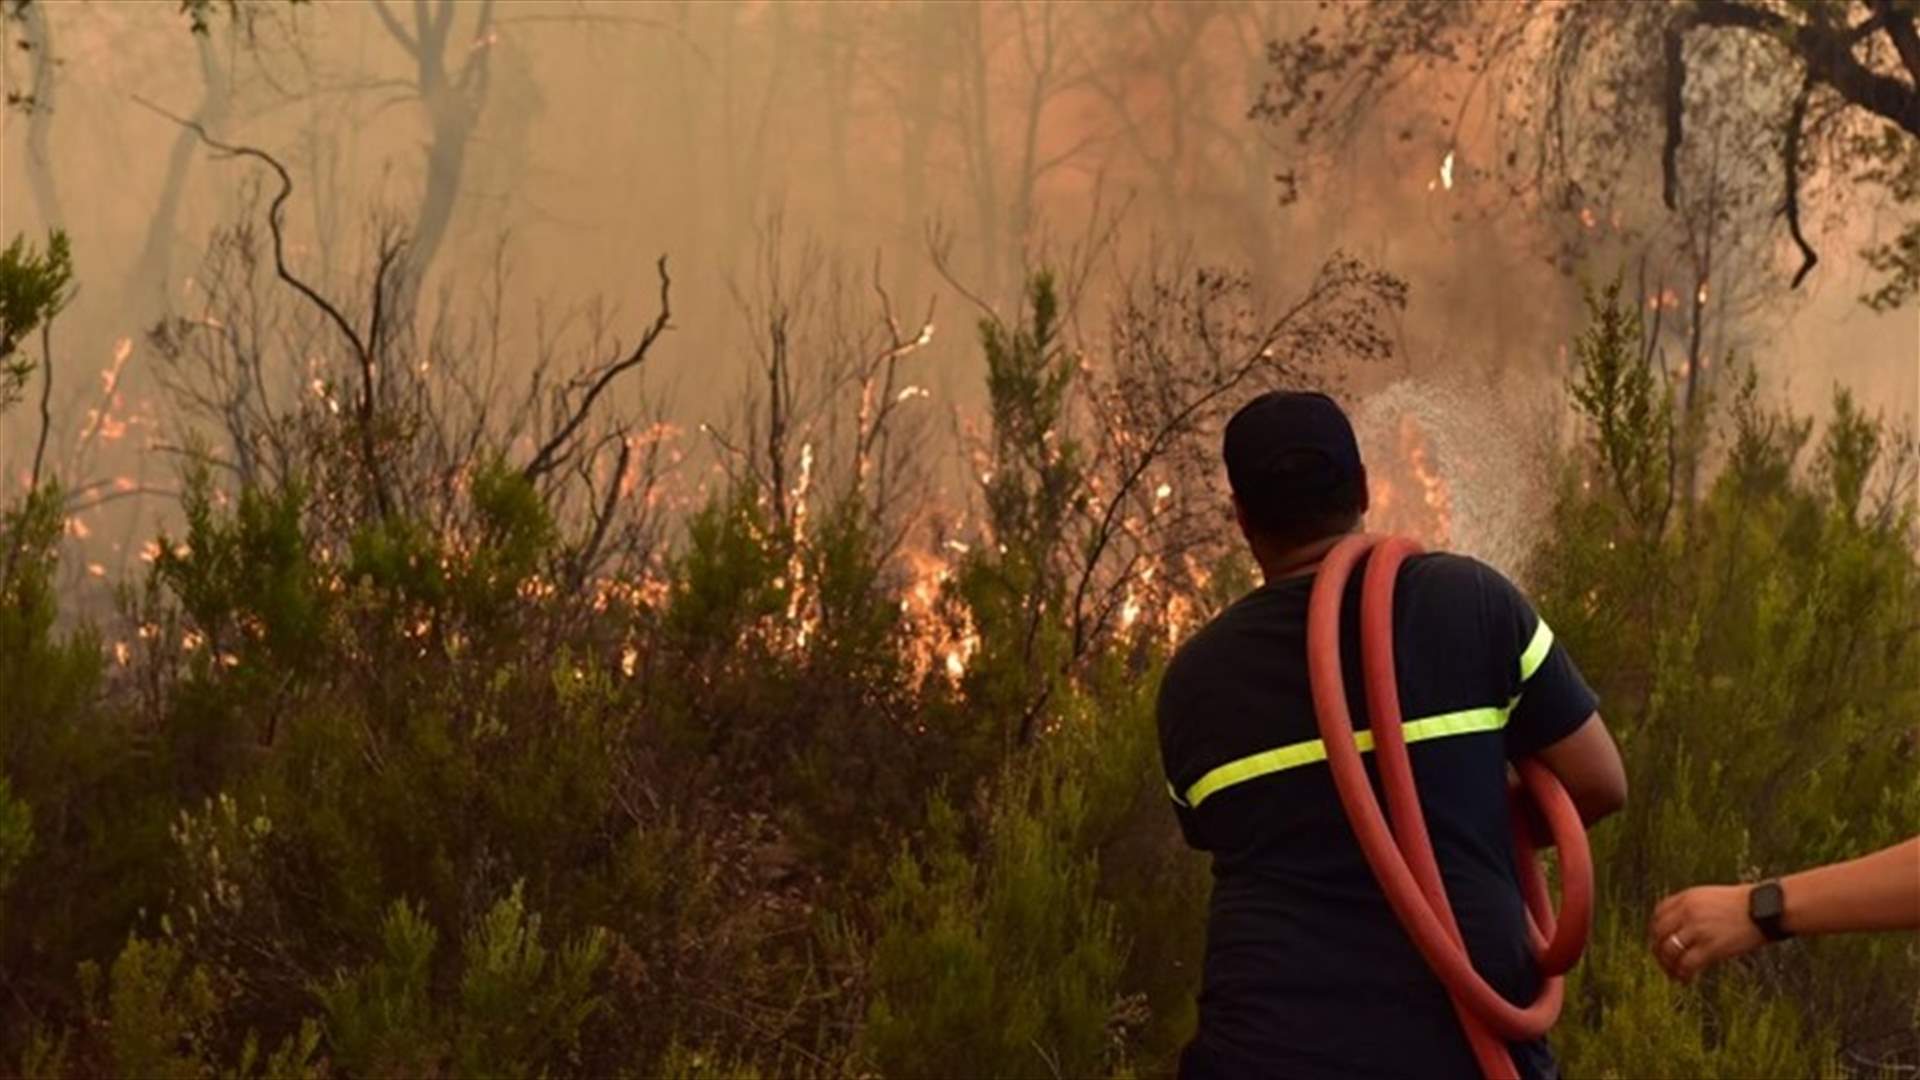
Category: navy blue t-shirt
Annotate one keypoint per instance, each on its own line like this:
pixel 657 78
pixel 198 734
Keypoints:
pixel 1308 972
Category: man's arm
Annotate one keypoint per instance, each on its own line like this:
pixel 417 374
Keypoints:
pixel 1588 764
pixel 1170 706
pixel 1554 716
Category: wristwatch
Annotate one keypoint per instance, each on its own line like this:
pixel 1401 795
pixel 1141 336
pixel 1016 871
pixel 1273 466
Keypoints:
pixel 1766 904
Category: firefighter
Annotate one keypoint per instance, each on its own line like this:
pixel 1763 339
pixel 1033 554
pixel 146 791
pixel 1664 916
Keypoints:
pixel 1307 972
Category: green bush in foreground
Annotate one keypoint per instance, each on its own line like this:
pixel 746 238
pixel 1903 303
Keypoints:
pixel 371 796
pixel 1757 660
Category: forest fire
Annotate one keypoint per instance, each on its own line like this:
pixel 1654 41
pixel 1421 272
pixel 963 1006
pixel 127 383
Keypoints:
pixel 606 597
pixel 1410 494
pixel 938 636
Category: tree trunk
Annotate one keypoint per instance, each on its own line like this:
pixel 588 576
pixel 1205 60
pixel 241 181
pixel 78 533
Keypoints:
pixel 920 117
pixel 46 193
pixel 152 272
pixel 978 134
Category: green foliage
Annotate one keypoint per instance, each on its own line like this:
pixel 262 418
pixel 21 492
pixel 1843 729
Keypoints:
pixel 519 1008
pixel 161 1011
pixel 16 837
pixel 1760 671
pixel 1650 1026
pixel 520 1002
pixel 379 1018
pixel 1632 421
pixel 394 794
pixel 34 286
pixel 1890 158
pixel 1012 961
pixel 1016 588
pixel 730 574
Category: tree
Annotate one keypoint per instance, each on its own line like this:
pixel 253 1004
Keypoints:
pixel 1829 100
pixel 36 40
pixel 450 78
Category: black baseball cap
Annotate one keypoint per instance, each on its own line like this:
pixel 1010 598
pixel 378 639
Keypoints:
pixel 1290 447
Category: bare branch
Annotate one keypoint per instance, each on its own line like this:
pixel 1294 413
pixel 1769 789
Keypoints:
pixel 552 454
pixel 603 517
pixel 1791 206
pixel 1826 53
pixel 1899 26
pixel 275 226
pixel 1673 103
pixel 1171 428
pixel 46 393
pixel 940 251
pixel 77 506
pixel 393 27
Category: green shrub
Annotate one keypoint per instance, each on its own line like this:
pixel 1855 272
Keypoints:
pixel 1758 665
pixel 394 792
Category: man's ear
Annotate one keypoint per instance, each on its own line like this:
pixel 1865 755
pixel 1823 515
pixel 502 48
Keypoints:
pixel 1240 517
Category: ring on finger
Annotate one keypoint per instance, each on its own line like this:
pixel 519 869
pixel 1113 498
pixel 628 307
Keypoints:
pixel 1679 946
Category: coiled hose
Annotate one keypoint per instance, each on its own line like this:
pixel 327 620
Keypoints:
pixel 1402 859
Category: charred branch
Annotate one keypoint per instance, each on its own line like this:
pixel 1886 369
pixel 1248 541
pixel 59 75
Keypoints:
pixel 362 352
pixel 1673 105
pixel 560 446
pixel 1790 205
pixel 46 397
pixel 1897 20
pixel 1826 51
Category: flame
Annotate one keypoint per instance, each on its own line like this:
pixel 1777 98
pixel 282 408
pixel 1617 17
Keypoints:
pixel 1410 494
pixel 937 637
pixel 802 612
pixel 1446 171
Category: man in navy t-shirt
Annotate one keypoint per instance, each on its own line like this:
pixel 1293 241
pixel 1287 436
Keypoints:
pixel 1308 973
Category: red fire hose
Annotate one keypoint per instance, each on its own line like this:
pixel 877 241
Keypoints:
pixel 1402 859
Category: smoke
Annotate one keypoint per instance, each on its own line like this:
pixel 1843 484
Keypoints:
pixel 589 138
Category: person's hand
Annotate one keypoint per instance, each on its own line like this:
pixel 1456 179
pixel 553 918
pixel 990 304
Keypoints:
pixel 1702 926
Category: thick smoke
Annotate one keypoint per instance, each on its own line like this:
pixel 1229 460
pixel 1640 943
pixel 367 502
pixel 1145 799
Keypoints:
pixel 554 151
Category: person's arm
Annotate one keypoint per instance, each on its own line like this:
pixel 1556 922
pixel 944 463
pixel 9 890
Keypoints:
pixel 1554 717
pixel 1588 765
pixel 1698 927
pixel 1171 707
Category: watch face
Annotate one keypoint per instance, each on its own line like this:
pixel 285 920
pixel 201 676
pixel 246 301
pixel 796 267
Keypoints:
pixel 1765 901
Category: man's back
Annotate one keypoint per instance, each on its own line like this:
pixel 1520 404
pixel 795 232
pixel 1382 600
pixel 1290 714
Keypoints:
pixel 1307 971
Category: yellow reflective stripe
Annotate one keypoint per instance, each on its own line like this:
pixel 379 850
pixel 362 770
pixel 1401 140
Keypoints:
pixel 1464 722
pixel 1537 650
pixel 1278 759
pixel 1294 755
